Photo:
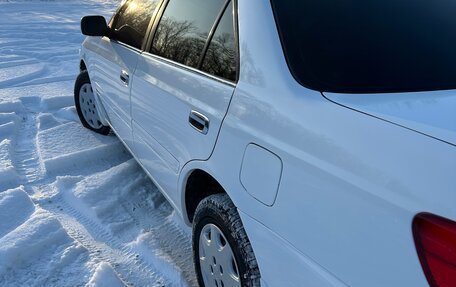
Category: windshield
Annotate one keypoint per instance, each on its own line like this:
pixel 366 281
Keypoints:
pixel 369 46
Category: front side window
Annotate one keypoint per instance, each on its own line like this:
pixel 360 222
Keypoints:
pixel 184 29
pixel 221 56
pixel 133 20
pixel 369 46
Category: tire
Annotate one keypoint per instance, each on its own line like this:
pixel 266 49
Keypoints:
pixel 84 101
pixel 217 217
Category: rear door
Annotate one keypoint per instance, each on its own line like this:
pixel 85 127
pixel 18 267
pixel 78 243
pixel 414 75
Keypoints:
pixel 183 86
pixel 115 61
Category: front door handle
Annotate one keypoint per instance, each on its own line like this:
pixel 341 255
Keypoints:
pixel 124 77
pixel 199 122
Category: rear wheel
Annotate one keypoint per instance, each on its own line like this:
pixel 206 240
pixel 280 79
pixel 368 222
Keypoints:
pixel 84 99
pixel 222 252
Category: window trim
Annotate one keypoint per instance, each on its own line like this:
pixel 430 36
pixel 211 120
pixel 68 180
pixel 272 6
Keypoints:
pixel 188 68
pixel 210 36
pixel 236 40
pixel 154 25
pixel 139 51
pixel 155 15
pixel 115 18
pixel 120 11
pixel 153 30
pixel 116 14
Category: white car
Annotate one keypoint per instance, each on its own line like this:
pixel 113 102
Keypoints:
pixel 308 143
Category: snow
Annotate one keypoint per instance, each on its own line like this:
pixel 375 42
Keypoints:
pixel 15 208
pixel 69 145
pixel 105 277
pixel 8 175
pixel 75 208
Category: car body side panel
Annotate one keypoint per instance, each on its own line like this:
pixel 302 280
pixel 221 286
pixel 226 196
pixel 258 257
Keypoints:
pixel 277 256
pixel 351 183
pixel 106 61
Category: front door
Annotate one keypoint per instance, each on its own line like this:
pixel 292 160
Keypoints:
pixel 116 60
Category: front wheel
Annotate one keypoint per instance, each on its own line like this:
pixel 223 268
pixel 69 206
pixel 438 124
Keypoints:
pixel 84 100
pixel 222 252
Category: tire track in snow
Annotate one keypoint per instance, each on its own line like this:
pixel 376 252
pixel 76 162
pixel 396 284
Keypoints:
pixel 29 166
pixel 169 245
pixel 35 70
pixel 104 247
pixel 7 58
pixel 26 159
pixel 147 223
pixel 161 228
pixel 101 244
pixel 44 80
pixel 17 63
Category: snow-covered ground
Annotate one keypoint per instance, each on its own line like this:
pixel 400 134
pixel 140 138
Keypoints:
pixel 75 209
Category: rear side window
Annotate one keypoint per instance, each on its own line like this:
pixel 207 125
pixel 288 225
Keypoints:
pixel 221 56
pixel 369 46
pixel 184 28
pixel 131 23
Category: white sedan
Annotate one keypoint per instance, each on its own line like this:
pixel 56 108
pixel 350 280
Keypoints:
pixel 308 143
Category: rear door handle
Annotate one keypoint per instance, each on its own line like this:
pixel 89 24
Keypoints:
pixel 199 122
pixel 124 77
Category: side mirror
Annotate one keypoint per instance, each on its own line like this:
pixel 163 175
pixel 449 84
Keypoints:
pixel 94 26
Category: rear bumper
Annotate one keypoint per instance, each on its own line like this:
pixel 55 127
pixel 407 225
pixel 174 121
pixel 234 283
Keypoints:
pixel 280 263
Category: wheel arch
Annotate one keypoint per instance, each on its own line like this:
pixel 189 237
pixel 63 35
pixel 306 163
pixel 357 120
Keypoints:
pixel 99 103
pixel 197 184
pixel 82 66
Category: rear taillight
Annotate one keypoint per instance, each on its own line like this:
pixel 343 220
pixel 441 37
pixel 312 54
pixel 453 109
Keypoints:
pixel 435 240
